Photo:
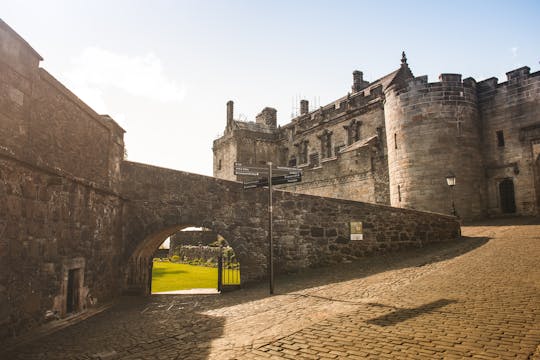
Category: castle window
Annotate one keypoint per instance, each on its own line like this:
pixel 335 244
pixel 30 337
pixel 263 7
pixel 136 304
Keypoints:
pixel 459 127
pixel 395 141
pixel 314 159
pixel 302 152
pixel 353 131
pixel 399 193
pixel 326 144
pixel 292 161
pixel 219 165
pixel 500 138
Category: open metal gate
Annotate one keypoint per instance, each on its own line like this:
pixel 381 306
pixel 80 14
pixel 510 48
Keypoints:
pixel 228 272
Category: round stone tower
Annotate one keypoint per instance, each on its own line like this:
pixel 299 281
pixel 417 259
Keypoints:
pixel 433 132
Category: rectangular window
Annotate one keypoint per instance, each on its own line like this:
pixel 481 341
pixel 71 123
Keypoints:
pixel 292 162
pixel 399 193
pixel 219 165
pixel 395 141
pixel 314 159
pixel 500 138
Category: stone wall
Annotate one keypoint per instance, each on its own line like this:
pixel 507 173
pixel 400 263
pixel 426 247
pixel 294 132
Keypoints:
pixel 193 238
pixel 206 254
pixel 513 108
pixel 60 212
pixel 309 230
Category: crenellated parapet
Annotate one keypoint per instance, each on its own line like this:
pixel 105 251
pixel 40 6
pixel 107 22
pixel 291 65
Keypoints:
pixel 520 86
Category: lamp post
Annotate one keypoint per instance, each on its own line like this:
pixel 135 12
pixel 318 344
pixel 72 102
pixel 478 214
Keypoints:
pixel 451 181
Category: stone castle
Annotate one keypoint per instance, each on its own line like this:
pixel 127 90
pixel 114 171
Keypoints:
pixel 79 224
pixel 394 141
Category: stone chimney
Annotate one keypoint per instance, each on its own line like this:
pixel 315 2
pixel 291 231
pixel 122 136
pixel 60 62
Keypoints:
pixel 304 107
pixel 358 81
pixel 230 112
pixel 268 116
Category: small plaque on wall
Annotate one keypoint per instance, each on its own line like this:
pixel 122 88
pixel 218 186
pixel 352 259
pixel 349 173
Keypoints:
pixel 356 230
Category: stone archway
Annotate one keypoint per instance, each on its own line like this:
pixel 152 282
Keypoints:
pixel 138 275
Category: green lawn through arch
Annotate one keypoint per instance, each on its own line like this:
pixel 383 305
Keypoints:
pixel 169 276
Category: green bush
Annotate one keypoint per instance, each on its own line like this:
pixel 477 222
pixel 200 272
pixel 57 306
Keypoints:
pixel 175 258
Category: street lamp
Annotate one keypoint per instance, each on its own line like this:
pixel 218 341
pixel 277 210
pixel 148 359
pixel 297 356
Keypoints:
pixel 451 181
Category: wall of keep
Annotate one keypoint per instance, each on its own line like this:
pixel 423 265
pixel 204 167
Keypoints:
pixel 254 148
pixel 245 146
pixel 59 206
pixel 512 107
pixel 426 143
pixel 50 223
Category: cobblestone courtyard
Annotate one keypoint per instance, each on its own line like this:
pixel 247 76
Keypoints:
pixel 478 297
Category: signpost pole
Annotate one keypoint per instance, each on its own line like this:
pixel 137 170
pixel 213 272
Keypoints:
pixel 270 238
pixel 284 175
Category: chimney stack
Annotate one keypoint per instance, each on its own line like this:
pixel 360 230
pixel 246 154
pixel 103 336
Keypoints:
pixel 358 81
pixel 230 112
pixel 304 107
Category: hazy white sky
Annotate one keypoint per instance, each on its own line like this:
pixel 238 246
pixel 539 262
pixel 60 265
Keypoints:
pixel 164 70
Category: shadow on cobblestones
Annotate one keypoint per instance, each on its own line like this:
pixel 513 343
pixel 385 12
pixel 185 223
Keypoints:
pixel 415 257
pixel 406 314
pixel 189 326
pixel 507 221
pixel 135 328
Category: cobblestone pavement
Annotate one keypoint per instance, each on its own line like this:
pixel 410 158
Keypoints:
pixel 478 297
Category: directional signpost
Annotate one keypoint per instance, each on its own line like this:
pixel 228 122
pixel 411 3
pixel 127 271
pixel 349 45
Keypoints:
pixel 268 176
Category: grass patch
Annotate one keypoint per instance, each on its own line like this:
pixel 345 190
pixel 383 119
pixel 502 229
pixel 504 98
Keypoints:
pixel 167 276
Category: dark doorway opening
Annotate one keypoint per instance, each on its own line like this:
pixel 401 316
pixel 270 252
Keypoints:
pixel 73 286
pixel 507 196
pixel 537 177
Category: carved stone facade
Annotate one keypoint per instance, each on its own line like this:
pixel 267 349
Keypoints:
pixel 395 140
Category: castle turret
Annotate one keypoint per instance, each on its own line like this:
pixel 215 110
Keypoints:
pixel 433 132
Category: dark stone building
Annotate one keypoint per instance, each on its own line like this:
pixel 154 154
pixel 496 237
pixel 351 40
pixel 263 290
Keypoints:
pixel 395 140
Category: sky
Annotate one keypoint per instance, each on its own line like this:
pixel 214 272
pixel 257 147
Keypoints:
pixel 164 70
